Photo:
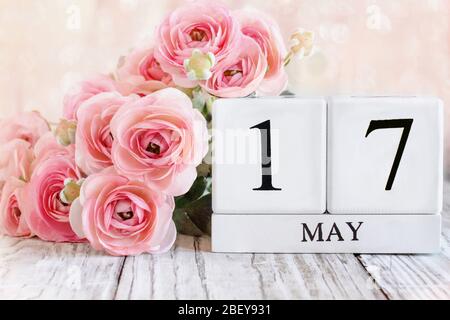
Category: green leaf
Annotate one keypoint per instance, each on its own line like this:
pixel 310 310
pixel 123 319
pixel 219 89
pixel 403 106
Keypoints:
pixel 195 218
pixel 185 225
pixel 197 190
pixel 204 170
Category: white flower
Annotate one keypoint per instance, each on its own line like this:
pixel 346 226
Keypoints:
pixel 302 43
pixel 198 66
pixel 65 132
pixel 71 190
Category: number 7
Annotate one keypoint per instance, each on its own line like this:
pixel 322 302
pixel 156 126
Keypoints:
pixel 392 124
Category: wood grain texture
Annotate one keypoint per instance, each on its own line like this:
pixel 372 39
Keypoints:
pixel 33 269
pixel 415 276
pixel 191 271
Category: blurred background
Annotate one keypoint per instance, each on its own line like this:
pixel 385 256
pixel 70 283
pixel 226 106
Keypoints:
pixel 362 46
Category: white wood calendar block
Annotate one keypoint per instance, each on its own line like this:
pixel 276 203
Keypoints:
pixel 269 155
pixel 326 233
pixel 385 155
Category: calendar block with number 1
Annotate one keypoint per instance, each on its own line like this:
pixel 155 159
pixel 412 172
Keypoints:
pixel 269 156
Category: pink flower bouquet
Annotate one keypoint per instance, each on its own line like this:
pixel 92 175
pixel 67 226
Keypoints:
pixel 124 170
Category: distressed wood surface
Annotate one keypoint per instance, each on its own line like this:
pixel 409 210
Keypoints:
pixel 33 269
pixel 415 276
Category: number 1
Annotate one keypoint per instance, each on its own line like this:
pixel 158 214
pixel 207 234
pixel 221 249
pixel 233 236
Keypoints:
pixel 392 124
pixel 266 157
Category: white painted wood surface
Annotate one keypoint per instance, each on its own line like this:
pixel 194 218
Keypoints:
pixel 33 269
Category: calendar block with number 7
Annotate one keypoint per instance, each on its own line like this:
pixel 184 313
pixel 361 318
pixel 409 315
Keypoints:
pixel 385 155
pixel 269 156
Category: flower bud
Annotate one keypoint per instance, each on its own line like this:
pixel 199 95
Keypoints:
pixel 198 66
pixel 71 190
pixel 302 43
pixel 65 132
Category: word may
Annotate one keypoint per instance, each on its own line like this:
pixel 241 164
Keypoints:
pixel 335 231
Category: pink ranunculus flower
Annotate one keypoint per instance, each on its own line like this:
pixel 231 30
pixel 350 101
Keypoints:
pixel 160 138
pixel 202 25
pixel 16 157
pixel 12 220
pixel 140 73
pixel 27 126
pixel 267 34
pixel 85 90
pixel 123 216
pixel 48 146
pixel 46 214
pixel 93 134
pixel 238 76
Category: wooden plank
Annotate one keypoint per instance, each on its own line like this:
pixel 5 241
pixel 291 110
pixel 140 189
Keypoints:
pixel 192 271
pixel 415 276
pixel 177 274
pixel 34 269
pixel 289 276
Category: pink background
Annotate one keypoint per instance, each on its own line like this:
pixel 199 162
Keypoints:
pixel 363 46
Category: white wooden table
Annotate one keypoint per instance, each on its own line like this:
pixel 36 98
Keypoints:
pixel 33 269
